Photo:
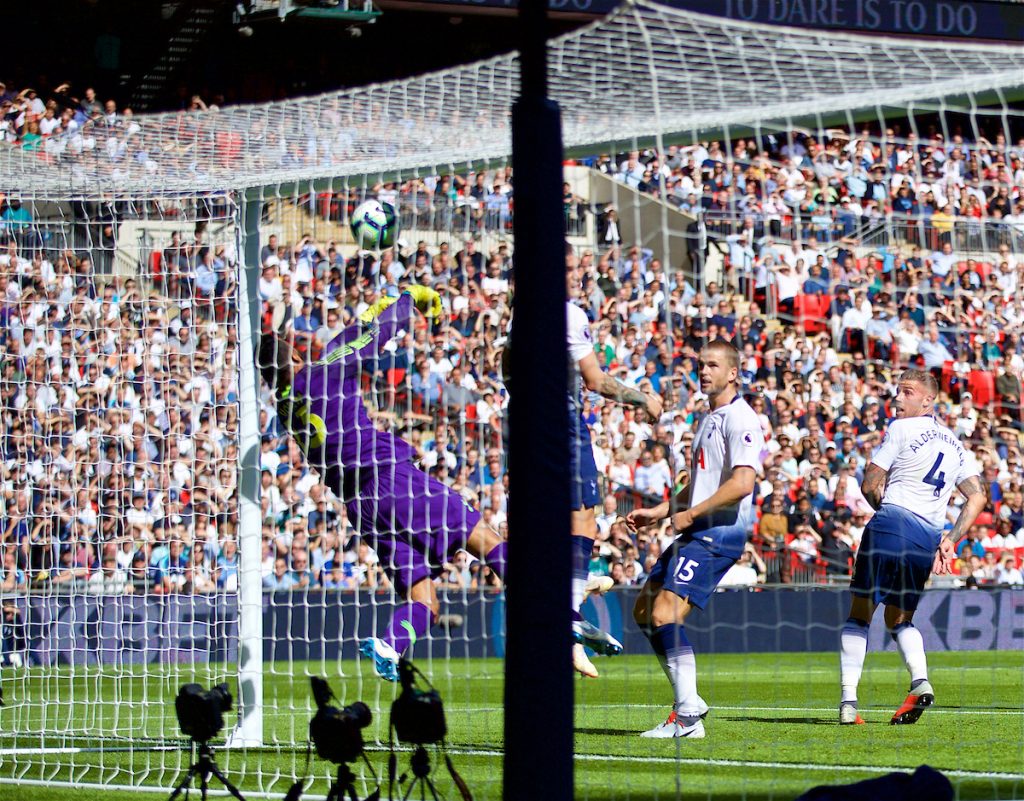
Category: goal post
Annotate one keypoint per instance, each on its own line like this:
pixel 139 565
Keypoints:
pixel 249 730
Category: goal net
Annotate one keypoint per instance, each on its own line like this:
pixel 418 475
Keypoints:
pixel 162 526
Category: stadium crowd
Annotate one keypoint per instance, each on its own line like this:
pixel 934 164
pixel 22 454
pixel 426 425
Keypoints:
pixel 118 395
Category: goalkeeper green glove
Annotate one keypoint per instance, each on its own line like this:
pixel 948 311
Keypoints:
pixel 427 300
pixel 373 311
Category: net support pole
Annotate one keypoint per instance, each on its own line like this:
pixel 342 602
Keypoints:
pixel 538 672
pixel 249 731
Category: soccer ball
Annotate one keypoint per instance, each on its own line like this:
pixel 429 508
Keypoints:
pixel 374 225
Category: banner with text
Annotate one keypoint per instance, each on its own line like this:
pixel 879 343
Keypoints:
pixel 314 625
pixel 972 19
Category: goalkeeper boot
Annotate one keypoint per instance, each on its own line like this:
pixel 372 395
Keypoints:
pixel 848 715
pixel 920 698
pixel 592 637
pixel 597 585
pixel 676 725
pixel 385 658
pixel 581 663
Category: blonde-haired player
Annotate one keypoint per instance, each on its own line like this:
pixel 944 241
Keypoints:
pixel 908 481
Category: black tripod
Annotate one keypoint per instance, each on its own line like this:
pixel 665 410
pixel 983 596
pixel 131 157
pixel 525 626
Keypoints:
pixel 420 764
pixel 204 766
pixel 345 783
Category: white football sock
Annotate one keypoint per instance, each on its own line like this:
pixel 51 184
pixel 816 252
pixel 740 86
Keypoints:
pixel 578 586
pixel 910 644
pixel 853 646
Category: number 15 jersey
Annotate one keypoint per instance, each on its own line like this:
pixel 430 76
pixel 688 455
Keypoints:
pixel 925 463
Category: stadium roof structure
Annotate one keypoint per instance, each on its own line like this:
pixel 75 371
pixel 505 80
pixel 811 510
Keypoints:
pixel 643 71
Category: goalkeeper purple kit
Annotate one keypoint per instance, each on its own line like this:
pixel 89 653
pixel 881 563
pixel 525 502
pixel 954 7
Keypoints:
pixel 414 522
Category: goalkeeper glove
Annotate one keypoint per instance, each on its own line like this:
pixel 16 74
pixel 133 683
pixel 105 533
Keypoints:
pixel 371 313
pixel 427 300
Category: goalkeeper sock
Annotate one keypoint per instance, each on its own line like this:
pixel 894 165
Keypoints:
pixel 496 559
pixel 409 623
pixel 853 645
pixel 672 646
pixel 910 644
pixel 582 548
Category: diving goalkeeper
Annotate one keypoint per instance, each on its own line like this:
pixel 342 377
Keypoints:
pixel 414 522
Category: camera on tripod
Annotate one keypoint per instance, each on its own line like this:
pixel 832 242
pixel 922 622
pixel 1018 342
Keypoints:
pixel 337 733
pixel 417 718
pixel 201 712
pixel 201 717
pixel 417 715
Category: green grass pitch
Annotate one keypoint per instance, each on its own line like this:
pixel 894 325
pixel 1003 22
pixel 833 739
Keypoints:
pixel 772 732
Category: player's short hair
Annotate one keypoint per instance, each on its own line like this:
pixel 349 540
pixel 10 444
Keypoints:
pixel 923 378
pixel 726 349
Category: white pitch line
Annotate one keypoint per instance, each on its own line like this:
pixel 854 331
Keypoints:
pixel 741 763
pixel 652 760
pixel 931 710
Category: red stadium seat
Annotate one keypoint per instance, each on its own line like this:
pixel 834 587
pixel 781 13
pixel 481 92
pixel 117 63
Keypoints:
pixel 810 311
pixel 471 419
pixel 983 387
pixel 948 375
pixel 1018 555
pixel 156 266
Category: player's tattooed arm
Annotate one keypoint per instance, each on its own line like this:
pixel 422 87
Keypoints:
pixel 873 486
pixel 972 489
pixel 615 390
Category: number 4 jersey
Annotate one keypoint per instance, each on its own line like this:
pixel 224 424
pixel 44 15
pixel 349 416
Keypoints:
pixel 925 463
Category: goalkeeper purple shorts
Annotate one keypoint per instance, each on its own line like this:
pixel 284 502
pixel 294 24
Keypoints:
pixel 414 522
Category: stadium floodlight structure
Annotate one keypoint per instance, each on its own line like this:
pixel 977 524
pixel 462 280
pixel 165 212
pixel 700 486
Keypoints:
pixel 91 703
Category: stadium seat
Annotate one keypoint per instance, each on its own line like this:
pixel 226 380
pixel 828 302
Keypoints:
pixel 156 267
pixel 947 376
pixel 983 387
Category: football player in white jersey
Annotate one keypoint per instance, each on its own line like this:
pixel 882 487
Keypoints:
pixel 908 481
pixel 713 515
pixel 585 371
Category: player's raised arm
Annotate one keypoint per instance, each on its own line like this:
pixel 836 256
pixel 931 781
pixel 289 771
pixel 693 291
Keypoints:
pixel 974 491
pixel 596 380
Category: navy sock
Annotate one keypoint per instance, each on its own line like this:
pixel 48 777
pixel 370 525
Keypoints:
pixel 669 640
pixel 582 548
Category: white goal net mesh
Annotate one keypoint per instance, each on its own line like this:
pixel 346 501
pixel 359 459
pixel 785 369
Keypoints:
pixel 145 461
